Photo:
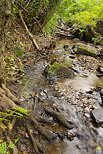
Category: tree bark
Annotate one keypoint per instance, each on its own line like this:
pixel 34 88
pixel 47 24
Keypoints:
pixel 5 14
pixel 45 15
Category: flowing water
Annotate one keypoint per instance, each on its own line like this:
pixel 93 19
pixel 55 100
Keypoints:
pixel 74 98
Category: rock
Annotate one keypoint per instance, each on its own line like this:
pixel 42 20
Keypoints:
pixel 101 94
pixel 58 70
pixel 99 27
pixel 89 33
pixel 99 71
pixel 65 46
pixel 84 50
pixel 98 115
pixel 76 39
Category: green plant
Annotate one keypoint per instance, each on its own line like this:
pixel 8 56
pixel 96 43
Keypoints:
pixel 16 112
pixel 80 12
pixel 4 146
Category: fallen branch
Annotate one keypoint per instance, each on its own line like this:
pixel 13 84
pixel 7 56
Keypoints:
pixel 30 35
pixel 64 29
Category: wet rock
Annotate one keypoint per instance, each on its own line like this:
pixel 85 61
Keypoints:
pixel 76 39
pixel 101 94
pixel 98 115
pixel 84 50
pixel 100 69
pixel 58 70
pixel 65 46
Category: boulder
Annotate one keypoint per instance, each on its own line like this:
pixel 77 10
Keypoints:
pixel 98 115
pixel 58 70
pixel 85 50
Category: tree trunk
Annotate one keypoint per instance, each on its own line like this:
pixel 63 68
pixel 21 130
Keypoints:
pixel 45 15
pixel 5 13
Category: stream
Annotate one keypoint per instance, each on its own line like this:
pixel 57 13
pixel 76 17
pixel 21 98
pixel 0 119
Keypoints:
pixel 77 98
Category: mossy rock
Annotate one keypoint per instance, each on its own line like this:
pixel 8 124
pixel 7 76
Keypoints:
pixel 58 70
pixel 85 51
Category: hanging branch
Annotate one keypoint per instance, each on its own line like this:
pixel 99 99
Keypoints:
pixel 30 35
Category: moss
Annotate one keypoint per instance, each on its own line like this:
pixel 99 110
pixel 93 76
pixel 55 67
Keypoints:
pixel 87 49
pixel 54 68
pixel 68 63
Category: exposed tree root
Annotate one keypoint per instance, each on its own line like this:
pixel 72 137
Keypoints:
pixel 44 120
pixel 33 140
pixel 9 94
pixel 43 131
pixel 6 103
pixel 59 117
pixel 8 100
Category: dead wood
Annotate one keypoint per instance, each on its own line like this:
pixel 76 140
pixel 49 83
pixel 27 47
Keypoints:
pixel 64 29
pixel 64 34
pixel 44 132
pixel 27 30
pixel 34 143
pixel 59 117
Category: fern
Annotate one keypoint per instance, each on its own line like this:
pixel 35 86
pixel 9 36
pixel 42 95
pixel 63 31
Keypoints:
pixel 15 112
pixel 3 148
pixel 22 110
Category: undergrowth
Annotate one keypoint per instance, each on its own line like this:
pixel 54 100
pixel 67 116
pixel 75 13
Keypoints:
pixel 77 12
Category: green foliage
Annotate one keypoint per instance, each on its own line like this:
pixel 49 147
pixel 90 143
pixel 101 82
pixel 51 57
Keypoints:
pixel 78 12
pixel 18 51
pixel 4 147
pixel 16 112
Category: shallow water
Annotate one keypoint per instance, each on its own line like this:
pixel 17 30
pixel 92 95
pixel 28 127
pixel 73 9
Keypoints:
pixel 79 82
pixel 86 140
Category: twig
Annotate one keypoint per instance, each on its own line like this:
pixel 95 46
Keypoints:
pixel 30 35
pixel 64 29
pixel 27 4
